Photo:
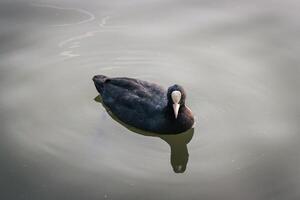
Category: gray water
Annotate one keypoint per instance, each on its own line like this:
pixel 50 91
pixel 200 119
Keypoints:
pixel 238 61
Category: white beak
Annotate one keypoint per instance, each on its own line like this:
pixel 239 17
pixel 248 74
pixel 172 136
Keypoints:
pixel 176 109
pixel 176 96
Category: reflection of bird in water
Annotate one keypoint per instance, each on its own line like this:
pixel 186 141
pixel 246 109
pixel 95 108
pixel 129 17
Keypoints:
pixel 178 142
pixel 145 105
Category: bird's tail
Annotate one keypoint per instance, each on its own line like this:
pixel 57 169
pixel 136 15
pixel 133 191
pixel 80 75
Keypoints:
pixel 99 81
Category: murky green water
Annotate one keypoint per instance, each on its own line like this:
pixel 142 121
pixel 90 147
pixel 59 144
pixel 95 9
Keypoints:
pixel 238 61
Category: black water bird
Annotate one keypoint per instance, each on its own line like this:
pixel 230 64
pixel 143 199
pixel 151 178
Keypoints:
pixel 145 105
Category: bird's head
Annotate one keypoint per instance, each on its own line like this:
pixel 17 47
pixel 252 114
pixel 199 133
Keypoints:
pixel 176 98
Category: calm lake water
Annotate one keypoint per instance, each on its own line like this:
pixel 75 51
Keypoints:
pixel 238 61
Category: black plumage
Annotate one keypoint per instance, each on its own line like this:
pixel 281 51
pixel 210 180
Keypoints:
pixel 144 105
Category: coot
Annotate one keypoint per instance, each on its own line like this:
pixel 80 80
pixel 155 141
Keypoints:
pixel 145 105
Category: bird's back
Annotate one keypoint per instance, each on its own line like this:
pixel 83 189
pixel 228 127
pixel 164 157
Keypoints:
pixel 136 102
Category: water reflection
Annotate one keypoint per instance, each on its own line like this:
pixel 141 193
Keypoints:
pixel 178 143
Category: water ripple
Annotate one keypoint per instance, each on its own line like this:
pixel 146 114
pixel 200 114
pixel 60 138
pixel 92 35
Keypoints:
pixel 90 16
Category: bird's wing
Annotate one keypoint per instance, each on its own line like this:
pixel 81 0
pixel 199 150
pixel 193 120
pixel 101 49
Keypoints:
pixel 134 94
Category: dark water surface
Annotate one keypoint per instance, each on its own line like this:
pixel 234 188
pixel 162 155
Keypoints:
pixel 238 61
